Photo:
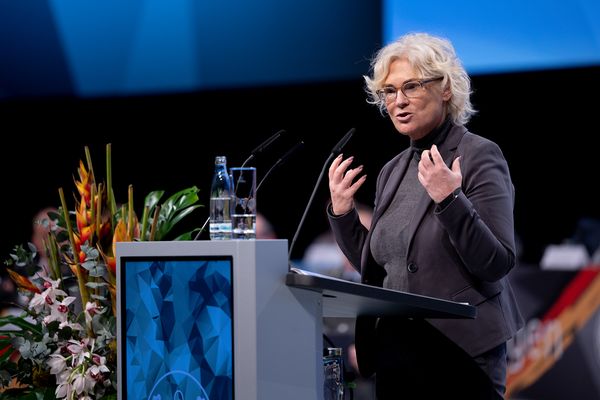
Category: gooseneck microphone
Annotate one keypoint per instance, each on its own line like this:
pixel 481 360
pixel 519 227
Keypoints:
pixel 263 146
pixel 340 145
pixel 334 153
pixel 280 161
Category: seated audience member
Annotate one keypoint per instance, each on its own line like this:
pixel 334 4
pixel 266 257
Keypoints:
pixel 42 225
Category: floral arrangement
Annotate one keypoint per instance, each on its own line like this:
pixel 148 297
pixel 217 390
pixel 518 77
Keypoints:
pixel 63 343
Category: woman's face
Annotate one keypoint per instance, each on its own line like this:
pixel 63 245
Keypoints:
pixel 415 116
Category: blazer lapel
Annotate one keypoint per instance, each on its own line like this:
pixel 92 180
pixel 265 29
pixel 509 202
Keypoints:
pixel 447 150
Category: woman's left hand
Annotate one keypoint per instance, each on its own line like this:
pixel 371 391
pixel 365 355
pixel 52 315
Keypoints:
pixel 439 180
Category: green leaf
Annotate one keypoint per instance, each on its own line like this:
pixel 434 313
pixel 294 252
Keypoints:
pixel 14 394
pixel 153 198
pixel 11 332
pixel 29 394
pixel 32 249
pixel 4 357
pixel 47 394
pixel 95 285
pixel 179 200
pixel 5 341
pixel 97 270
pixel 21 323
pixel 168 225
pixel 174 209
pixel 188 235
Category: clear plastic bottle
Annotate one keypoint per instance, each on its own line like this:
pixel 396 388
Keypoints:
pixel 334 378
pixel 220 202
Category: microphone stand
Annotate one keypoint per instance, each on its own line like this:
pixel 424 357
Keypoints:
pixel 336 150
pixel 280 161
pixel 314 192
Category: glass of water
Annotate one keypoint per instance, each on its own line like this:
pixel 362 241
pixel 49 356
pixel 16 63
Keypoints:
pixel 243 213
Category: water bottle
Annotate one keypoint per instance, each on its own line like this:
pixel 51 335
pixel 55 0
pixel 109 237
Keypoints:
pixel 334 378
pixel 220 201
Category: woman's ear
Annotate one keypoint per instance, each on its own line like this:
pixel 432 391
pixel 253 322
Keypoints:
pixel 447 93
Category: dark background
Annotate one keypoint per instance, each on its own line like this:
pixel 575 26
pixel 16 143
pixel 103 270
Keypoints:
pixel 545 122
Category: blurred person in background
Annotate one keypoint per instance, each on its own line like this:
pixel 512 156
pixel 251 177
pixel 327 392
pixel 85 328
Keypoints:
pixel 41 225
pixel 264 229
pixel 324 256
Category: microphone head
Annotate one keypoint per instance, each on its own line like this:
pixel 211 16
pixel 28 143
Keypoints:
pixel 267 142
pixel 263 146
pixel 291 151
pixel 340 145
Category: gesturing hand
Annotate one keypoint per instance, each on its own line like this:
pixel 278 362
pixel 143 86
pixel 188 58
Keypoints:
pixel 340 184
pixel 439 180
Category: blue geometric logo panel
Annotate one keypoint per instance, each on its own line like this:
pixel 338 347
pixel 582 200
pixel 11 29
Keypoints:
pixel 178 328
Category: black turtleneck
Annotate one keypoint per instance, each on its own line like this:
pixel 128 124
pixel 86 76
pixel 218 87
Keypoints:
pixel 389 241
pixel 436 136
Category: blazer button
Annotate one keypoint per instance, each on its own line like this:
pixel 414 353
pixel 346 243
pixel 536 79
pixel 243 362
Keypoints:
pixel 412 267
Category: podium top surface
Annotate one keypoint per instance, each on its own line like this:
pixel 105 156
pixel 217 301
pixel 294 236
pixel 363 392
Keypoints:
pixel 349 299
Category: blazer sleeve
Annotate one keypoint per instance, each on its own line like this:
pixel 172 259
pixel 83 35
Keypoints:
pixel 349 233
pixel 480 221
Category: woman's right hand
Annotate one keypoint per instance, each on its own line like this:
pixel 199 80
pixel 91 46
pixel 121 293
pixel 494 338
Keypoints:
pixel 340 184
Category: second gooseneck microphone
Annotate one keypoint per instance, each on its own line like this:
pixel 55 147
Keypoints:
pixel 280 161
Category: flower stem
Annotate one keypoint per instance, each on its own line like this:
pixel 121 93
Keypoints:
pixel 109 190
pixel 144 223
pixel 98 221
pixel 92 208
pixel 130 222
pixel 154 222
pixel 88 158
pixel 81 283
pixel 53 259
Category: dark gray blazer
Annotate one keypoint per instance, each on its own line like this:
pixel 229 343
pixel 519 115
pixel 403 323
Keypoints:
pixel 462 253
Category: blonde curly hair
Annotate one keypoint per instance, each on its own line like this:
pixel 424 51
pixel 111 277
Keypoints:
pixel 432 57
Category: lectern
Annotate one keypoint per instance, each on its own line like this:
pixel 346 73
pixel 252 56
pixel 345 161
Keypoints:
pixel 226 320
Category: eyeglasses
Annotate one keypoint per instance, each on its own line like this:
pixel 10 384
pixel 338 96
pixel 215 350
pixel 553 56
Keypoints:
pixel 410 88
